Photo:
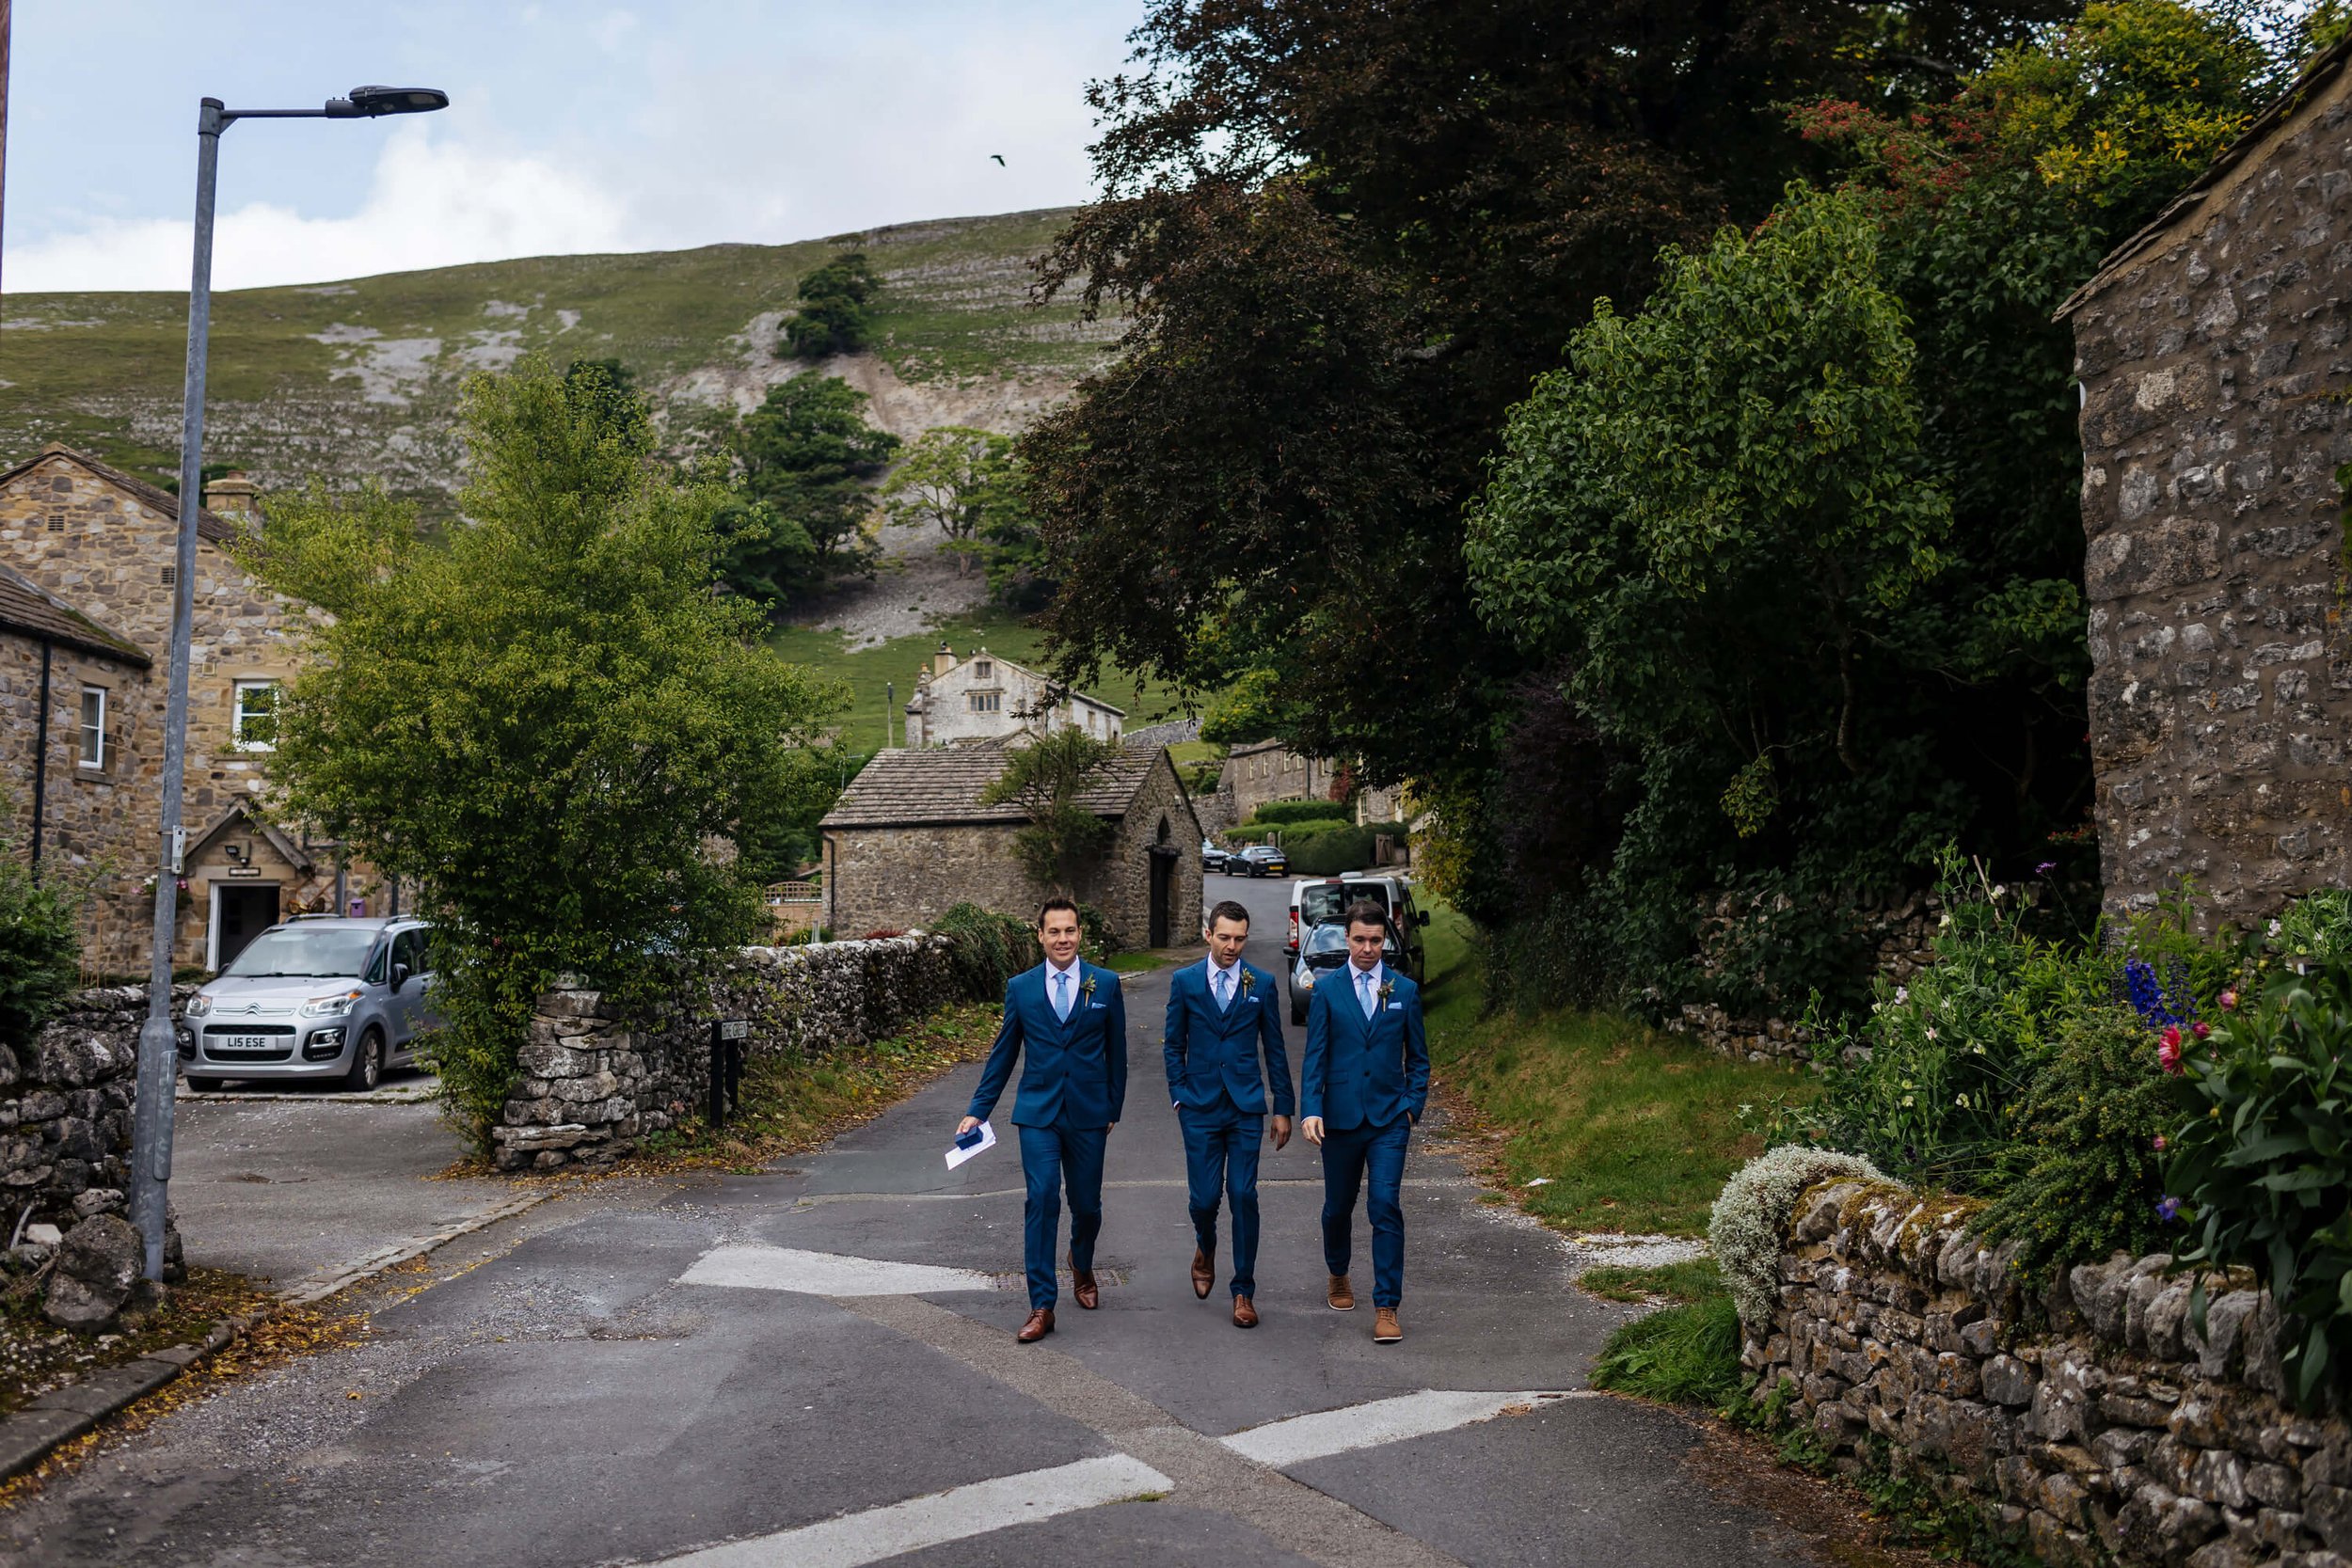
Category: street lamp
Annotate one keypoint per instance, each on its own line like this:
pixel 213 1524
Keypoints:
pixel 150 1135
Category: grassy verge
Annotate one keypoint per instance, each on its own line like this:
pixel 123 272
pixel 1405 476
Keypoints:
pixel 1605 1124
pixel 791 1106
pixel 1136 963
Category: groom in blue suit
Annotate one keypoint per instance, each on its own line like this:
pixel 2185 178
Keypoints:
pixel 1065 1023
pixel 1364 1084
pixel 1221 1014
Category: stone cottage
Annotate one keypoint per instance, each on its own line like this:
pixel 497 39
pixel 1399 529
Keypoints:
pixel 988 698
pixel 1265 770
pixel 909 840
pixel 86 607
pixel 2212 352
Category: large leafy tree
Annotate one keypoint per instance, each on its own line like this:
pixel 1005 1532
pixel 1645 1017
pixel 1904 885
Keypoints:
pixel 1347 233
pixel 957 480
pixel 544 719
pixel 809 462
pixel 834 314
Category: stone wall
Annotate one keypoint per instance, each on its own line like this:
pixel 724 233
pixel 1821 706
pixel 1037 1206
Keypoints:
pixel 65 1123
pixel 894 879
pixel 594 1079
pixel 2094 1423
pixel 2213 368
pixel 1898 935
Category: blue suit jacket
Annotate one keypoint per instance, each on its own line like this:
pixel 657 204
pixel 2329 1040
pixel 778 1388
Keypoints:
pixel 1211 1051
pixel 1361 1072
pixel 1074 1072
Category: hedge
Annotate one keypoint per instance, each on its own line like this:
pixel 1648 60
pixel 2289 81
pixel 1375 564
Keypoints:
pixel 1336 849
pixel 1280 813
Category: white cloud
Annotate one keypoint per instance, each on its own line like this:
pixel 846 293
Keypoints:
pixel 429 204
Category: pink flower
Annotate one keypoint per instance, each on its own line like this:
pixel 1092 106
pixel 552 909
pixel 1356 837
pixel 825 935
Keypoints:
pixel 2161 1144
pixel 2172 1035
pixel 2228 1001
pixel 2168 1054
pixel 2201 1029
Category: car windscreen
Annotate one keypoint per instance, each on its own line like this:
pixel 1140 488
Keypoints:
pixel 1322 939
pixel 319 952
pixel 1322 901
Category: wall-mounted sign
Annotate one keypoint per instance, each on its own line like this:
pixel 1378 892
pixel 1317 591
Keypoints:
pixel 245 871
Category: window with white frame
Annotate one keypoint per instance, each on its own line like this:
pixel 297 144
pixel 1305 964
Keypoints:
pixel 254 724
pixel 984 701
pixel 94 726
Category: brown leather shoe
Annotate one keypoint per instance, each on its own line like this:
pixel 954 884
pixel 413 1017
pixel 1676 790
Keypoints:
pixel 1083 1289
pixel 1384 1326
pixel 1203 1274
pixel 1245 1315
pixel 1342 1295
pixel 1041 1324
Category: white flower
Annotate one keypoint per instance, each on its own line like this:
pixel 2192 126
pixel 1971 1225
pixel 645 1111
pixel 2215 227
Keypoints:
pixel 2274 928
pixel 1906 1103
pixel 1902 994
pixel 1961 1100
pixel 1752 1213
pixel 1931 1032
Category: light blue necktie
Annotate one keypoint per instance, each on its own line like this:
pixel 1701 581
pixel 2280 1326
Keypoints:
pixel 1061 995
pixel 1363 992
pixel 1224 989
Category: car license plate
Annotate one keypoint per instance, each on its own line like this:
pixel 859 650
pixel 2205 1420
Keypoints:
pixel 244 1043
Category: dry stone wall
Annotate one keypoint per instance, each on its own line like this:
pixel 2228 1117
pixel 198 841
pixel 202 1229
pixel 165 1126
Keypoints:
pixel 595 1079
pixel 1898 935
pixel 2093 1423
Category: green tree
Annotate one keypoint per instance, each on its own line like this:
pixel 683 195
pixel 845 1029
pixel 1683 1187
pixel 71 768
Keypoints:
pixel 957 480
pixel 1046 778
pixel 546 719
pixel 40 951
pixel 834 315
pixel 1245 712
pixel 605 392
pixel 810 459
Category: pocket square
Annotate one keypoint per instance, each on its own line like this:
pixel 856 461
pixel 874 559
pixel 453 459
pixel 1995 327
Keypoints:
pixel 1095 1007
pixel 1396 1006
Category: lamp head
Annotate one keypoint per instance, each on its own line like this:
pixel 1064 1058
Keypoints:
pixel 368 103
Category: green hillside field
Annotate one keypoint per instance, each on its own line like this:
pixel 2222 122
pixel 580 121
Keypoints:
pixel 358 379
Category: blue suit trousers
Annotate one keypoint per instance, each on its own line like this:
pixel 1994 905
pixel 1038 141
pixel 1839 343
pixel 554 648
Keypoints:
pixel 1221 1148
pixel 1348 1157
pixel 1051 1158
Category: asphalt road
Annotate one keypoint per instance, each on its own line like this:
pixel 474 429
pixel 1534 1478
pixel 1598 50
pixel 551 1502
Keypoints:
pixel 816 1366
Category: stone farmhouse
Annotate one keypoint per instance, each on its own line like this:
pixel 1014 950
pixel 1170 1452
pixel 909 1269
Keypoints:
pixel 1266 770
pixel 987 698
pixel 87 563
pixel 909 840
pixel 2217 415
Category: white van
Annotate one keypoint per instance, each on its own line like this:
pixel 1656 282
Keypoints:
pixel 1317 900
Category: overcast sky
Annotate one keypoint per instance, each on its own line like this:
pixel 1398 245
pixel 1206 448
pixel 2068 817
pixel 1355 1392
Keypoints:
pixel 573 127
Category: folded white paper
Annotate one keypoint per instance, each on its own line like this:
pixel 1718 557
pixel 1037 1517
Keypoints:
pixel 988 1141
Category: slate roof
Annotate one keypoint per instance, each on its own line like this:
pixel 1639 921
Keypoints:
pixel 35 612
pixel 208 524
pixel 2324 65
pixel 905 786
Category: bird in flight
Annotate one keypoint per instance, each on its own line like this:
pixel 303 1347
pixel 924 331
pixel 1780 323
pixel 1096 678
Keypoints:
pixel 1000 159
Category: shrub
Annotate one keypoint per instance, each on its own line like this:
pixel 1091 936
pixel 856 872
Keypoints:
pixel 1279 813
pixel 2261 1162
pixel 1340 849
pixel 40 952
pixel 1682 1355
pixel 1752 1212
pixel 990 948
pixel 2084 1169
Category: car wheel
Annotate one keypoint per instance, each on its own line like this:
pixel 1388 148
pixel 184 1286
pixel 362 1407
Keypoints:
pixel 366 1063
pixel 198 1084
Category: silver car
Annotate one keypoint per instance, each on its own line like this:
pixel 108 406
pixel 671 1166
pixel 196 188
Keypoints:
pixel 316 997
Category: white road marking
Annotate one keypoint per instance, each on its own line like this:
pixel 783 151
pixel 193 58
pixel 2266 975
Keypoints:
pixel 754 1267
pixel 955 1514
pixel 1300 1438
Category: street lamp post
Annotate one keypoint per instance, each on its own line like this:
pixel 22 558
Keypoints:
pixel 150 1134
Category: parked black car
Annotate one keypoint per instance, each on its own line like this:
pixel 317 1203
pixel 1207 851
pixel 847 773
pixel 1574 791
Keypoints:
pixel 1212 858
pixel 1260 860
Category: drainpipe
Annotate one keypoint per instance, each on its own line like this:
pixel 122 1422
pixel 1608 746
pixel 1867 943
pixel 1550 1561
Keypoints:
pixel 40 757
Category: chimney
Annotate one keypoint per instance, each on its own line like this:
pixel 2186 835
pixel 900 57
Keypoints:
pixel 233 498
pixel 943 660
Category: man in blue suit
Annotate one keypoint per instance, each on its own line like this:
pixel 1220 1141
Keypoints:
pixel 1065 1023
pixel 1364 1084
pixel 1221 1014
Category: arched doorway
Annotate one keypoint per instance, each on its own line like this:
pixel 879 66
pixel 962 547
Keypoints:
pixel 1163 886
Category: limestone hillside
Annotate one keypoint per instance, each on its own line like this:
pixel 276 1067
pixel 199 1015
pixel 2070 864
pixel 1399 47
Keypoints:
pixel 359 379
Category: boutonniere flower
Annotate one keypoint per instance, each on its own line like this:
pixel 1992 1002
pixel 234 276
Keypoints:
pixel 1386 986
pixel 1087 988
pixel 1248 980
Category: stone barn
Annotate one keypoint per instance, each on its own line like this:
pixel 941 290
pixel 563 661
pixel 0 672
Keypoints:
pixel 2211 349
pixel 909 840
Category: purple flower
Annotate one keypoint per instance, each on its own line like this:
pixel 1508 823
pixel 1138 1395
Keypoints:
pixel 2045 868
pixel 2168 1210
